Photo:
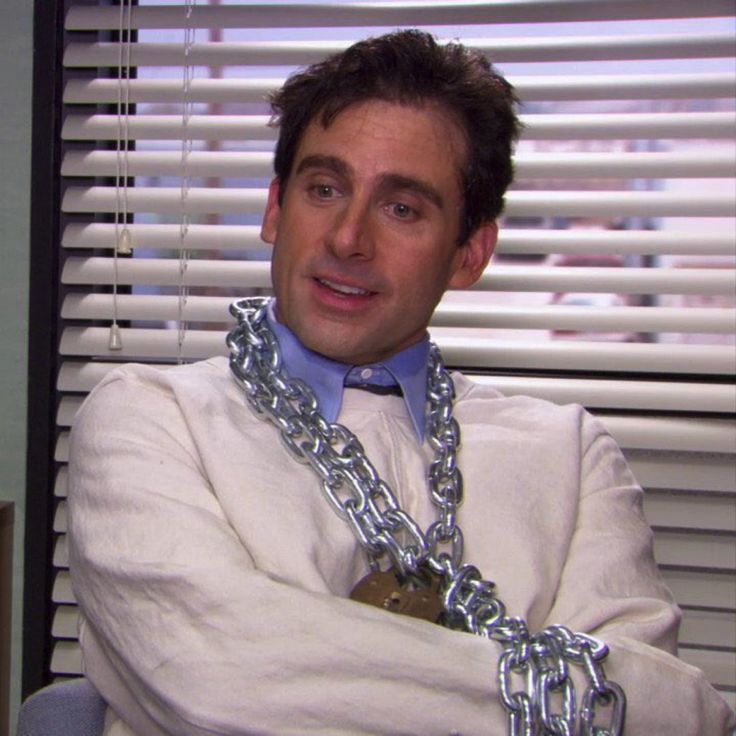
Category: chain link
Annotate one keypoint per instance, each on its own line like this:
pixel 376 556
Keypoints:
pixel 534 681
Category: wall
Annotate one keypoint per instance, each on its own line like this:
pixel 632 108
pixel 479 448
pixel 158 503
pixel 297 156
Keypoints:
pixel 16 66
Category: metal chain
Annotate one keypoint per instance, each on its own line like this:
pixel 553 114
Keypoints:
pixel 534 680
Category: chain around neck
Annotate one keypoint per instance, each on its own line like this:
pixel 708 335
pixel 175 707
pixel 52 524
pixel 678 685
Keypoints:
pixel 349 480
pixel 352 486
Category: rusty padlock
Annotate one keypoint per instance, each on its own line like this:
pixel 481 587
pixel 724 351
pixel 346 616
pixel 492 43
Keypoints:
pixel 418 596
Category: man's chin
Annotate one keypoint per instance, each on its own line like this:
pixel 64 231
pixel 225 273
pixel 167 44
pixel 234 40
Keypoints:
pixel 339 353
pixel 341 348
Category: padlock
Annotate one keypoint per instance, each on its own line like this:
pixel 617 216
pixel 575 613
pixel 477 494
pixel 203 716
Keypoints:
pixel 418 596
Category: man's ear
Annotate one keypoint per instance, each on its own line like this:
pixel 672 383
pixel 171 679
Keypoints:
pixel 270 224
pixel 473 256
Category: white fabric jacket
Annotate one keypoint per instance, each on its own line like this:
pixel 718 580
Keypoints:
pixel 213 576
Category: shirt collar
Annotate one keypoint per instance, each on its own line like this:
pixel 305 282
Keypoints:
pixel 327 377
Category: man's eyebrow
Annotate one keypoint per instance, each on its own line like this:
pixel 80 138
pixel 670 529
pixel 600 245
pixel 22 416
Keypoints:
pixel 387 181
pixel 409 183
pixel 317 161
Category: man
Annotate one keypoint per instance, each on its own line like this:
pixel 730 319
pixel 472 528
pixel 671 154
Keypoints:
pixel 214 576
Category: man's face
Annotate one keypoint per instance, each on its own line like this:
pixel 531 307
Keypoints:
pixel 365 238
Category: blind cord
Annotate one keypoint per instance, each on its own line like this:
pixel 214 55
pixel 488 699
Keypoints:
pixel 123 239
pixel 186 149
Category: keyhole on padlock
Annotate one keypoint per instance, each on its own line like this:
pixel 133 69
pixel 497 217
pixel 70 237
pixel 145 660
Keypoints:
pixel 392 601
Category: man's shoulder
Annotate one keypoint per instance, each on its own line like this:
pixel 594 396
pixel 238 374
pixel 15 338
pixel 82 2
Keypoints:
pixel 144 384
pixel 482 402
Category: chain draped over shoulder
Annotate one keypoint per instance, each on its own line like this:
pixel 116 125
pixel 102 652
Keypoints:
pixel 534 679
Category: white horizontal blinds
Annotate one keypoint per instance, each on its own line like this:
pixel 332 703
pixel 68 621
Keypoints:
pixel 614 279
pixel 562 178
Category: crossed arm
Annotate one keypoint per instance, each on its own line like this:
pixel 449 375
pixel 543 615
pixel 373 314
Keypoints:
pixel 188 629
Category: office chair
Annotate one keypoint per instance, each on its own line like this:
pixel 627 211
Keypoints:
pixel 70 708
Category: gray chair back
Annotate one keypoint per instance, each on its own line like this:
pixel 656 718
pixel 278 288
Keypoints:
pixel 71 708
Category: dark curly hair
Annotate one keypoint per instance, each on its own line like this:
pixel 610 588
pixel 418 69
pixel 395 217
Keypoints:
pixel 410 68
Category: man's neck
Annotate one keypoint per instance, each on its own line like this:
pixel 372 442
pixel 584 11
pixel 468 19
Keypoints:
pixel 406 369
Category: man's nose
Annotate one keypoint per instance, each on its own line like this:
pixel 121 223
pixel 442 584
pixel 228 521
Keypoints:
pixel 351 235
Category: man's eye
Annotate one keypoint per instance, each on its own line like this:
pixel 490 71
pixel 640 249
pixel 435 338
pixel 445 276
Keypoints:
pixel 323 191
pixel 402 211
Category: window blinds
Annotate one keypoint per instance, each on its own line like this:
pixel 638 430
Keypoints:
pixel 615 276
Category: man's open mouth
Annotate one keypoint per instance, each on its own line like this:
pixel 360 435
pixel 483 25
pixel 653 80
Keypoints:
pixel 344 288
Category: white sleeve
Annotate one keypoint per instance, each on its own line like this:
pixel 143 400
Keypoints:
pixel 611 588
pixel 182 633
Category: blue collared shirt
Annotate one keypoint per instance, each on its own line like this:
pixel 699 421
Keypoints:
pixel 327 378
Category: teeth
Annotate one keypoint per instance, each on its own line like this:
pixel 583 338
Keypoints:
pixel 342 288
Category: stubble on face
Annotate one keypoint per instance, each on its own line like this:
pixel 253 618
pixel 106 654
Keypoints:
pixel 365 235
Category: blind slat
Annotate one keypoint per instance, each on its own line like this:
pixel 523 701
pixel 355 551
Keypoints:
pixel 60 513
pixel 501 50
pixel 679 471
pixel 61 450
pixel 711 551
pixel 609 280
pixel 233 201
pixel 65 622
pixel 66 658
pixel 394 13
pixel 478 352
pixel 152 271
pixel 527 166
pixel 558 88
pixel 694 511
pixel 708 628
pixel 625 87
pixel 511 241
pixel 239 274
pixel 548 317
pixel 62 591
pixel 717 666
pixel 61 552
pixel 168 127
pixel 669 396
pixel 79 376
pixel 618 242
pixel 165 200
pixel 580 126
pixel 61 486
pixel 199 237
pixel 702 588
pixel 541 126
pixel 620 204
pixel 169 163
pixel 586 318
pixel 681 434
pixel 701 164
pixel 66 411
